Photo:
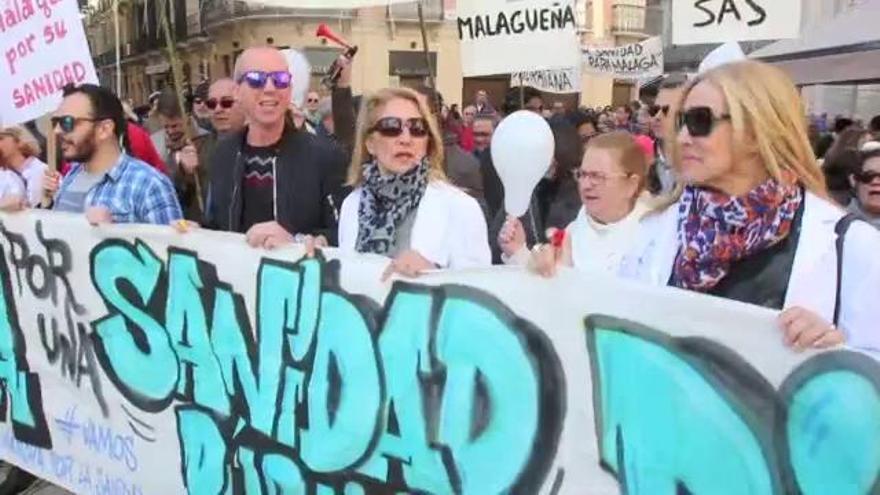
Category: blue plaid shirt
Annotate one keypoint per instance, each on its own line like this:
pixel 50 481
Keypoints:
pixel 133 191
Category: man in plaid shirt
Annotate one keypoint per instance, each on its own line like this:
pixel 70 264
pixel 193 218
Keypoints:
pixel 105 182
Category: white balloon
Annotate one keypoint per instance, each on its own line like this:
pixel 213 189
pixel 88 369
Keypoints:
pixel 522 151
pixel 302 74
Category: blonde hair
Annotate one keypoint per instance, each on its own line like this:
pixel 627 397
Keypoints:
pixel 629 154
pixel 767 116
pixel 370 108
pixel 27 143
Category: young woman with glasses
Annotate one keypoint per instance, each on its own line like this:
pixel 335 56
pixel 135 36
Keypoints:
pixel 751 219
pixel 402 205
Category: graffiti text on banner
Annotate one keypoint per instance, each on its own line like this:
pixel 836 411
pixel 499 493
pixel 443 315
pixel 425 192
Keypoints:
pixel 289 375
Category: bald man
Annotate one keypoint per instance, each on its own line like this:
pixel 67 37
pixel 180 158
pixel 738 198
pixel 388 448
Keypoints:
pixel 226 113
pixel 268 180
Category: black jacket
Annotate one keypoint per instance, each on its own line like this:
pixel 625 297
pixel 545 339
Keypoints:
pixel 309 180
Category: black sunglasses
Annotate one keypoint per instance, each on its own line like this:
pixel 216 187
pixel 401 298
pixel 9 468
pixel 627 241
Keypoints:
pixel 700 121
pixel 257 79
pixel 67 123
pixel 653 110
pixel 393 127
pixel 867 177
pixel 225 103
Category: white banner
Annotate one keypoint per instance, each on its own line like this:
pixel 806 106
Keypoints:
pixel 551 81
pixel 636 61
pixel 502 37
pixel 44 48
pixel 720 21
pixel 139 361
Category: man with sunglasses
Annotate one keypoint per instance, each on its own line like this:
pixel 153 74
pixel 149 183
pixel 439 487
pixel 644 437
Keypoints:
pixel 226 113
pixel 104 181
pixel 200 109
pixel 226 118
pixel 661 177
pixel 269 180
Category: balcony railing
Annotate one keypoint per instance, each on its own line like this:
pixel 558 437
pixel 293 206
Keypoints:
pixel 654 20
pixel 585 16
pixel 221 11
pixel 628 18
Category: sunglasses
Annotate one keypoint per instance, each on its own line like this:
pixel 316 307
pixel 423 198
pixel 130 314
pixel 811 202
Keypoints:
pixel 225 103
pixel 312 100
pixel 867 177
pixel 653 110
pixel 393 127
pixel 67 123
pixel 700 121
pixel 257 79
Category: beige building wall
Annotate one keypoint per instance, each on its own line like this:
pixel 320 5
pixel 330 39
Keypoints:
pixel 371 30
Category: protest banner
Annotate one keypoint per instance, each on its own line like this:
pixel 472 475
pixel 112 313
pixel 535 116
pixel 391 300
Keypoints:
pixel 140 361
pixel 551 81
pixel 44 48
pixel 502 37
pixel 635 61
pixel 720 21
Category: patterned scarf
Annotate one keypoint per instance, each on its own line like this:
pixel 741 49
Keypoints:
pixel 386 200
pixel 716 230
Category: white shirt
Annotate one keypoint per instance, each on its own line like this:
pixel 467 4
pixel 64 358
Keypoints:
pixel 596 246
pixel 33 172
pixel 11 184
pixel 813 281
pixel 449 229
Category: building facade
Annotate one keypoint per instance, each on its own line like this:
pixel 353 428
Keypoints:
pixel 210 34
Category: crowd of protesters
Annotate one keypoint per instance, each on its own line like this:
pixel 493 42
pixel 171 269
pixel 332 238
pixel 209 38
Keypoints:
pixel 720 185
pixel 702 189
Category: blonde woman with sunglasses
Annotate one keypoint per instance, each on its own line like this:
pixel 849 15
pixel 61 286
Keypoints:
pixel 402 205
pixel 751 219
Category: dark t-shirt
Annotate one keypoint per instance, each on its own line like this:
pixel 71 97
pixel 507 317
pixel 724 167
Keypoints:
pixel 258 185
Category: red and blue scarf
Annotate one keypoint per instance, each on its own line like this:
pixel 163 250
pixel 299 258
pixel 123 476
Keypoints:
pixel 716 230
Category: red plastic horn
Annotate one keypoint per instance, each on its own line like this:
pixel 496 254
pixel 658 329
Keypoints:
pixel 324 31
pixel 333 74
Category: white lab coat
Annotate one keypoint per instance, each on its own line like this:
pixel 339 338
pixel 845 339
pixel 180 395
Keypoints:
pixel 813 280
pixel 449 229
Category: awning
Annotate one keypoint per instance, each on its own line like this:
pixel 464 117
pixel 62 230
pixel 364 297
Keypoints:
pixel 841 50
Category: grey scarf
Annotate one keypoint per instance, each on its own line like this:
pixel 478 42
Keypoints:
pixel 386 200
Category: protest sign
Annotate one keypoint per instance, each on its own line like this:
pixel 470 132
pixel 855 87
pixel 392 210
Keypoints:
pixel 44 48
pixel 551 80
pixel 719 21
pixel 635 61
pixel 502 37
pixel 139 361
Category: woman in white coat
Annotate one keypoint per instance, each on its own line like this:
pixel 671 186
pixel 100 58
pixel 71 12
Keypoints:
pixel 402 205
pixel 752 220
pixel 611 183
